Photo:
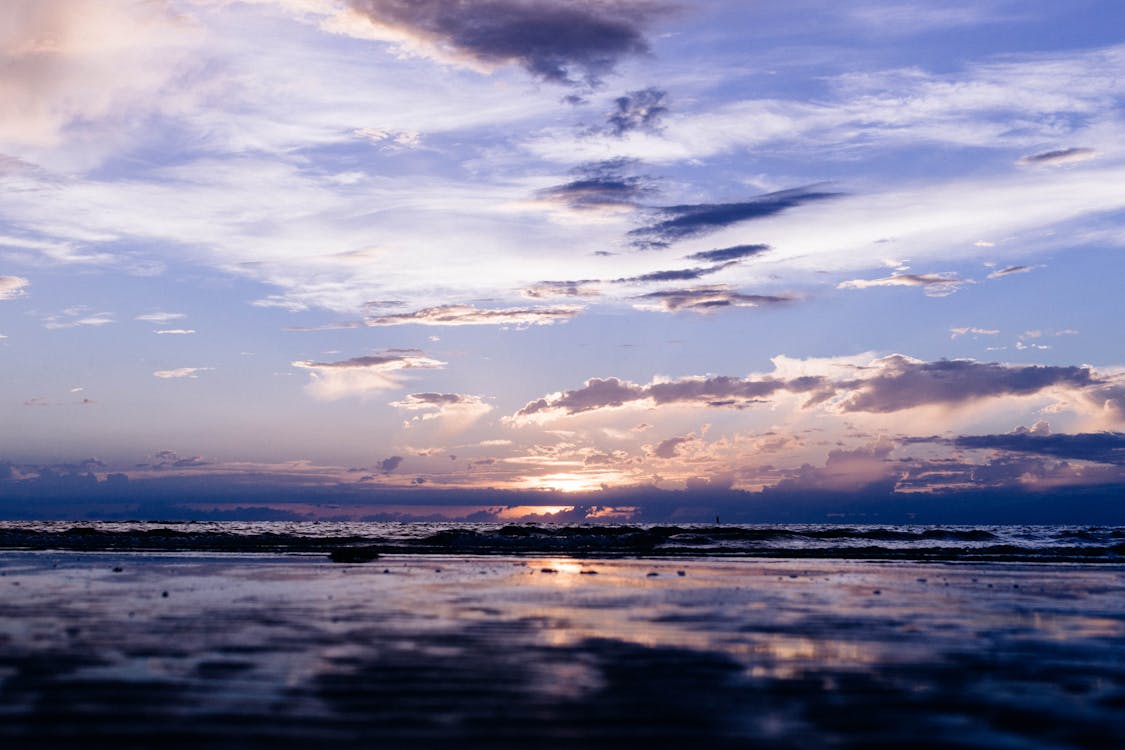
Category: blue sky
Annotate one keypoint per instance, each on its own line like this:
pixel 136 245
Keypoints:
pixel 375 247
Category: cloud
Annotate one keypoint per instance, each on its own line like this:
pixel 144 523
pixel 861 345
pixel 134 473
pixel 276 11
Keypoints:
pixel 387 465
pixel 455 409
pixel 898 382
pixel 637 110
pixel 77 317
pixel 606 393
pixel 181 372
pixel 1100 447
pixel 705 299
pixel 723 254
pixel 175 331
pixel 888 384
pixel 962 330
pixel 160 317
pixel 1058 158
pixel 467 315
pixel 934 284
pixel 71 63
pixel 561 41
pixel 600 186
pixel 692 220
pixel 169 460
pixel 1009 270
pixel 682 274
pixel 361 375
pixel 582 288
pixel 12 287
pixel 669 448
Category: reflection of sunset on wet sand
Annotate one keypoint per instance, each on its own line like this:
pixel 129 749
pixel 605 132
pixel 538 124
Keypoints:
pixel 415 651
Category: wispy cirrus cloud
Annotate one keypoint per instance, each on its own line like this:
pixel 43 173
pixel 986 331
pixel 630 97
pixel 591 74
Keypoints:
pixel 1009 270
pixel 77 317
pixel 934 284
pixel 1058 157
pixel 363 375
pixel 468 315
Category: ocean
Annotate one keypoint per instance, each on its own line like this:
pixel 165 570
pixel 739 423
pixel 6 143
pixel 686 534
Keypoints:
pixel 248 635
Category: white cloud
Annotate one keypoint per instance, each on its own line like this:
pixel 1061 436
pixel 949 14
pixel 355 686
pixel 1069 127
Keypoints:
pixel 160 317
pixel 12 287
pixel 181 372
pixel 360 376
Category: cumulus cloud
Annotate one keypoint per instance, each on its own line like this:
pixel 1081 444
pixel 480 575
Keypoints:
pixel 889 384
pixel 561 41
pixel 12 287
pixel 455 409
pixel 637 110
pixel 181 372
pixel 361 375
pixel 683 221
pixel 934 284
pixel 705 299
pixel 724 254
pixel 1058 157
pixel 897 382
pixel 467 315
pixel 669 448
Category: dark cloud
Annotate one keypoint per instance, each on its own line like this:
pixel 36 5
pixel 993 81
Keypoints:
pixel 705 299
pixel 436 399
pixel 682 274
pixel 669 448
pixel 1060 156
pixel 387 465
pixel 1102 447
pixel 681 222
pixel 467 315
pixel 637 110
pixel 713 391
pixel 600 186
pixel 891 384
pixel 903 383
pixel 724 254
pixel 562 41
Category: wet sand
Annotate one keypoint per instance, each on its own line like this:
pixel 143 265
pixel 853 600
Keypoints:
pixel 133 650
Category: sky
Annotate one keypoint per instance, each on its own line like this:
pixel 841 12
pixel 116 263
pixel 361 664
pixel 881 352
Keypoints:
pixel 607 259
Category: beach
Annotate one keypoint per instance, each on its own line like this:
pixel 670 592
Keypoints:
pixel 191 649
